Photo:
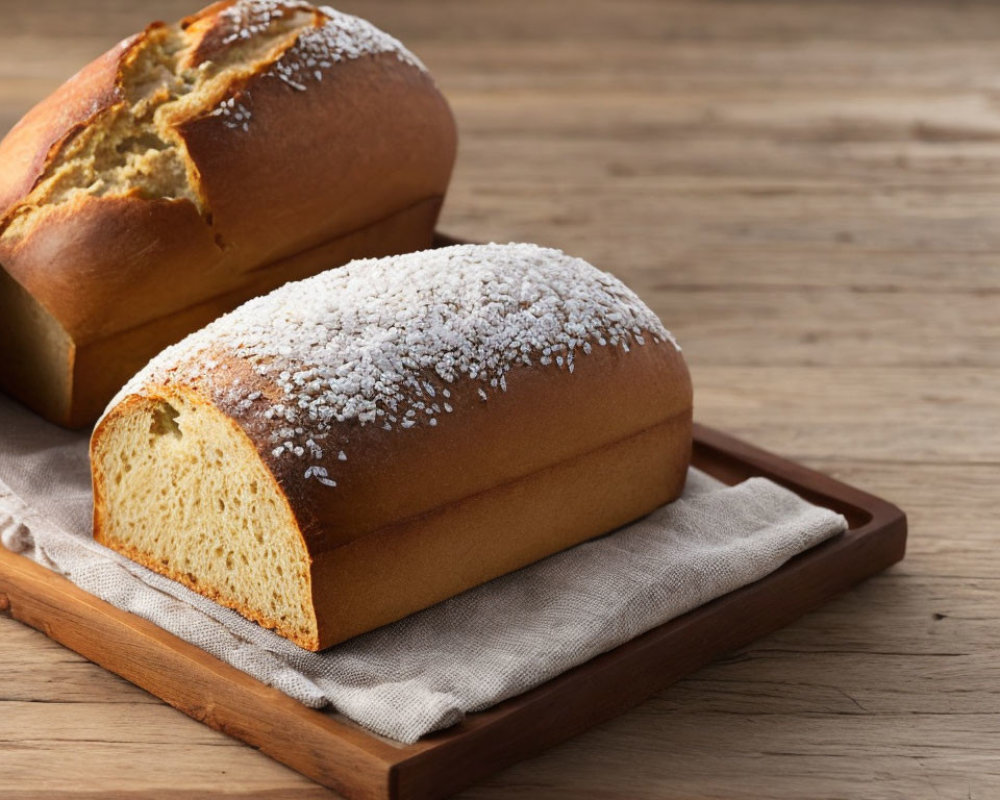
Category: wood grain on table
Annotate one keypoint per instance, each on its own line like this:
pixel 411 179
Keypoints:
pixel 808 193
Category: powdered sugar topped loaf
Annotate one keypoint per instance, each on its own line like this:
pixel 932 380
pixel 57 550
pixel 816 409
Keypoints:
pixel 382 341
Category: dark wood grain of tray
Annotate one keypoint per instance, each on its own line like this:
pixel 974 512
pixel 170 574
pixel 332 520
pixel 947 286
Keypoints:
pixel 343 756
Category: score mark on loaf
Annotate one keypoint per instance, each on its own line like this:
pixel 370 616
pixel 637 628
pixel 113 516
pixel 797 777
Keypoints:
pixel 360 445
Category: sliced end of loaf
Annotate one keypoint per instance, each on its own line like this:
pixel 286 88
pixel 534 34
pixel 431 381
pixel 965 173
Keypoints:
pixel 179 488
pixel 36 353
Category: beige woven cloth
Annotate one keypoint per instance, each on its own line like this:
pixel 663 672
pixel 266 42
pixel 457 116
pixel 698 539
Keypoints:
pixel 464 655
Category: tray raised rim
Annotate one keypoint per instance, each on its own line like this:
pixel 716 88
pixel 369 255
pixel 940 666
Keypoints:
pixel 345 757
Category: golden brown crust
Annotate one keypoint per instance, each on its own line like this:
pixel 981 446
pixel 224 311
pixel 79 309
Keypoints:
pixel 26 150
pixel 371 140
pixel 547 416
pixel 378 154
pixel 104 264
pixel 390 573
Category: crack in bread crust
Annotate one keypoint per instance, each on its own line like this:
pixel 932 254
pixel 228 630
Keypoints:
pixel 133 147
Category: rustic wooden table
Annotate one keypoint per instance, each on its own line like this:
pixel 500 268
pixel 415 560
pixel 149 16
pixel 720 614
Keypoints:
pixel 803 191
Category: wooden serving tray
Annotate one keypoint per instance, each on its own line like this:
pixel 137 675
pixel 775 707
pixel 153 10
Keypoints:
pixel 345 757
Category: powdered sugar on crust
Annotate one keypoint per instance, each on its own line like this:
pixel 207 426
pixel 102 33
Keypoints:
pixel 234 114
pixel 341 38
pixel 245 19
pixel 334 38
pixel 382 341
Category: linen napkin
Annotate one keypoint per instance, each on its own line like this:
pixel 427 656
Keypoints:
pixel 466 654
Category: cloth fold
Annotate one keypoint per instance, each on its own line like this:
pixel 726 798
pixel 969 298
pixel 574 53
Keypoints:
pixel 427 671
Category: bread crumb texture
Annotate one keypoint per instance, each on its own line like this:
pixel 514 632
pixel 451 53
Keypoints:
pixel 383 341
pixel 186 494
pixel 133 147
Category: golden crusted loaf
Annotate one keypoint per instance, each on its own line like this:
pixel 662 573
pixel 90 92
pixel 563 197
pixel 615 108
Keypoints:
pixel 362 444
pixel 195 166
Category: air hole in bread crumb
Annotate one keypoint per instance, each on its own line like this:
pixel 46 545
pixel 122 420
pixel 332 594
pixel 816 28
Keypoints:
pixel 165 421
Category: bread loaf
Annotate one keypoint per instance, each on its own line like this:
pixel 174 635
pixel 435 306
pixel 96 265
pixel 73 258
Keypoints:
pixel 367 442
pixel 195 166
